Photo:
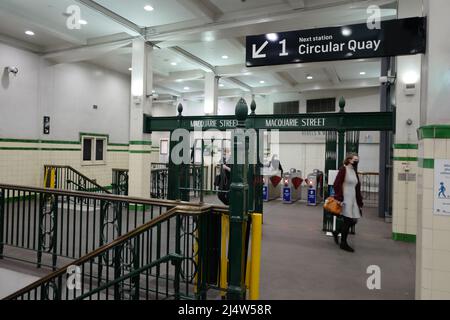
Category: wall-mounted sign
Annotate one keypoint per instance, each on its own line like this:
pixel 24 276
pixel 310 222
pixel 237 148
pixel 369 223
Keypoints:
pixel 46 125
pixel 442 187
pixel 394 38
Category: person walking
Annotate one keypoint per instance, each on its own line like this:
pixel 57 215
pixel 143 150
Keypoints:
pixel 347 189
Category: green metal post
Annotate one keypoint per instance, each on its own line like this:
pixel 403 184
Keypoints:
pixel 238 208
pixel 341 134
pixel 2 217
pixel 177 262
pixel 252 166
pixel 173 188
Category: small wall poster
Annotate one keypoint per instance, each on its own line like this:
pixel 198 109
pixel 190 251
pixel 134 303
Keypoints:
pixel 442 187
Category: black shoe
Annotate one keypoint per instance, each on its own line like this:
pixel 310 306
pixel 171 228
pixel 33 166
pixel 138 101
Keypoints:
pixel 336 237
pixel 346 247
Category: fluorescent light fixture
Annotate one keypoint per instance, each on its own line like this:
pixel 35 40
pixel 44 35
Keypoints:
pixel 221 85
pixel 148 8
pixel 29 33
pixel 262 82
pixel 130 69
pixel 179 80
pixel 225 57
pixel 83 22
pixel 309 77
pixel 363 73
pixel 174 63
pixel 346 32
pixel 272 36
pixel 186 88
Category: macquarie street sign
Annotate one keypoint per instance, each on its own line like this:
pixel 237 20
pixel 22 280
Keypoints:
pixel 394 38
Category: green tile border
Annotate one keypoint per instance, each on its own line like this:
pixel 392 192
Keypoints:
pixel 140 143
pixel 119 144
pixel 404 237
pixel 406 146
pixel 408 159
pixel 140 151
pixel 434 132
pixel 19 148
pixel 426 163
pixel 118 150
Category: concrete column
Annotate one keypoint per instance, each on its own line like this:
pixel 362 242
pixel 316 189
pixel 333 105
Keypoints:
pixel 433 237
pixel 211 93
pixel 404 219
pixel 140 143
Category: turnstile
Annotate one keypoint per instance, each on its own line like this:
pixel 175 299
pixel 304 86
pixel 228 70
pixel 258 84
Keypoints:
pixel 272 185
pixel 315 187
pixel 292 186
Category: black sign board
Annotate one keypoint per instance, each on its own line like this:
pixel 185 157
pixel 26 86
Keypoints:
pixel 46 125
pixel 394 38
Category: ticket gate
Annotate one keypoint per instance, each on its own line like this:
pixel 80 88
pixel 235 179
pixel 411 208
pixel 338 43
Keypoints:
pixel 292 186
pixel 315 187
pixel 272 185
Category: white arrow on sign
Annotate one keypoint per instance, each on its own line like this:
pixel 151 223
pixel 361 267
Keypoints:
pixel 257 53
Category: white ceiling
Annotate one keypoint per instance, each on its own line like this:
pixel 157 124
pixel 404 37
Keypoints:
pixel 190 36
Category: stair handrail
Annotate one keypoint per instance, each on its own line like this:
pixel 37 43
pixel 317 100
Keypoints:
pixel 178 210
pixel 100 188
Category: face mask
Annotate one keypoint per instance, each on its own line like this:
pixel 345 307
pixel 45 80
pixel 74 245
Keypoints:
pixel 355 163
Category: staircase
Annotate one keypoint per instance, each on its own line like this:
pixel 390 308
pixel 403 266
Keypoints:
pixel 67 178
pixel 103 247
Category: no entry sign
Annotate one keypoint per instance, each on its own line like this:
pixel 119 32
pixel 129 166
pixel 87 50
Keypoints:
pixel 394 38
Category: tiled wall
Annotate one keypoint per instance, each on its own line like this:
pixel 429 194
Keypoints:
pixel 404 216
pixel 22 161
pixel 433 238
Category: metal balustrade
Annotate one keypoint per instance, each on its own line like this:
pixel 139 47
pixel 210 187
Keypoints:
pixel 67 178
pixel 125 248
pixel 54 224
pixel 150 262
pixel 370 188
pixel 120 182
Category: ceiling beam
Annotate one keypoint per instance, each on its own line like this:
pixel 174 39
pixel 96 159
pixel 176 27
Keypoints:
pixel 332 74
pixel 20 44
pixel 200 9
pixel 286 78
pixel 241 69
pixel 132 28
pixel 275 18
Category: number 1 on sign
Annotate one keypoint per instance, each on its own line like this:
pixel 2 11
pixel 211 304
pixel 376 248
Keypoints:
pixel 283 50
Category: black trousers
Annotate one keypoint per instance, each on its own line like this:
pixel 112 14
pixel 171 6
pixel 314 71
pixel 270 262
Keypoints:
pixel 345 228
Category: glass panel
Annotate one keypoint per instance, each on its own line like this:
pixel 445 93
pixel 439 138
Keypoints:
pixel 87 149
pixel 99 149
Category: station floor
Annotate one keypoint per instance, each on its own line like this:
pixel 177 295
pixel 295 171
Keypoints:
pixel 300 262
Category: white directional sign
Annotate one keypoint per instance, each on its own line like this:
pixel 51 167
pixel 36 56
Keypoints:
pixel 257 52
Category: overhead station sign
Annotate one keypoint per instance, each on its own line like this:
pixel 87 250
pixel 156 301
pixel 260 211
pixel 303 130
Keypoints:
pixel 394 38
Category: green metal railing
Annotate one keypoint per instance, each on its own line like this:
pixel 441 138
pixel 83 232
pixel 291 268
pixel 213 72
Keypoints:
pixel 67 178
pixel 159 180
pixel 157 260
pixel 48 224
pixel 120 182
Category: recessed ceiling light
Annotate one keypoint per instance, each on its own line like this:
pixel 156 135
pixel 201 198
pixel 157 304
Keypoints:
pixel 221 85
pixel 363 73
pixel 130 69
pixel 262 82
pixel 346 32
pixel 186 88
pixel 309 77
pixel 29 33
pixel 179 80
pixel 83 22
pixel 174 63
pixel 272 36
pixel 148 8
pixel 224 57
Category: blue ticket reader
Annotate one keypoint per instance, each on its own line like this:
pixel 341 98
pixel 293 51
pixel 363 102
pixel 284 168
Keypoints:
pixel 265 193
pixel 312 196
pixel 287 195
